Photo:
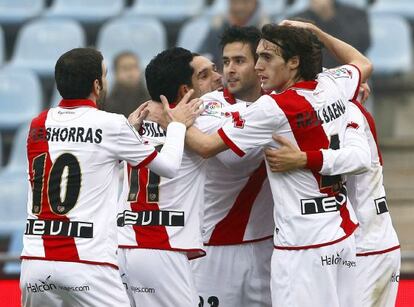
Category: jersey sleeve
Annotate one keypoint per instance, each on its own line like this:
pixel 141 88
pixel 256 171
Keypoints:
pixel 130 147
pixel 211 119
pixel 354 156
pixel 168 161
pixel 253 127
pixel 347 78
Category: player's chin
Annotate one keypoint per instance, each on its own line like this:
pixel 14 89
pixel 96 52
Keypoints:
pixel 267 86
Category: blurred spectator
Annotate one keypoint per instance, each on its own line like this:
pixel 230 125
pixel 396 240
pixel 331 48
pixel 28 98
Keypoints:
pixel 240 13
pixel 129 90
pixel 345 22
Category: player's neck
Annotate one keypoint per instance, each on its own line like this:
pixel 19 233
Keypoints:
pixel 250 94
pixel 92 97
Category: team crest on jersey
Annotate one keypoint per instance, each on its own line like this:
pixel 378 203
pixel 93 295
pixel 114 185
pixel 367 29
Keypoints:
pixel 212 108
pixel 340 72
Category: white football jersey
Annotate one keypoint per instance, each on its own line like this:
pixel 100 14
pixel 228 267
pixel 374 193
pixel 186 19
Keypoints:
pixel 160 213
pixel 74 152
pixel 238 201
pixel 366 192
pixel 310 210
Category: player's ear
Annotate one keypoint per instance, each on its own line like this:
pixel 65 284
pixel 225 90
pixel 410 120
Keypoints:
pixel 183 89
pixel 294 62
pixel 97 87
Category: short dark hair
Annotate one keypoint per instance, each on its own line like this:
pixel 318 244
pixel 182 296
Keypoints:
pixel 167 72
pixel 248 35
pixel 75 72
pixel 297 42
pixel 121 55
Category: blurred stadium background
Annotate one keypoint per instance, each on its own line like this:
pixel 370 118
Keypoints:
pixel 34 33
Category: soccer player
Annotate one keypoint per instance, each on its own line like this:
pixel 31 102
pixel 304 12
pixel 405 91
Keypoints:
pixel 377 245
pixel 159 218
pixel 313 263
pixel 70 242
pixel 238 223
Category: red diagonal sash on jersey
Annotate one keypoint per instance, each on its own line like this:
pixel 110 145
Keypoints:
pixel 371 124
pixel 309 137
pixel 147 236
pixel 56 247
pixel 231 229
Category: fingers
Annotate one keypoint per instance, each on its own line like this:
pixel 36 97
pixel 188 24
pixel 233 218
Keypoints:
pixel 196 103
pixel 283 141
pixel 143 106
pixel 186 97
pixel 285 22
pixel 143 115
pixel 165 102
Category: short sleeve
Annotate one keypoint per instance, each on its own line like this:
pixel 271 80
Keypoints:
pixel 347 78
pixel 212 118
pixel 130 147
pixel 252 128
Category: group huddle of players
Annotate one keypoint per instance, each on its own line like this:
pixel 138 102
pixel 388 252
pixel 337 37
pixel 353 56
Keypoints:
pixel 265 192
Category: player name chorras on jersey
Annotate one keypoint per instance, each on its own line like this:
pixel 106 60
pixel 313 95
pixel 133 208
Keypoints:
pixel 66 134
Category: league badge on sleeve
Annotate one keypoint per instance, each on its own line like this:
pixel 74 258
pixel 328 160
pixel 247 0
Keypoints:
pixel 340 72
pixel 212 108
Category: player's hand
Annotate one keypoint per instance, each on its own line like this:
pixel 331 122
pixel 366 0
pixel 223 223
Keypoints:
pixel 288 157
pixel 298 24
pixel 364 92
pixel 136 118
pixel 186 111
pixel 156 114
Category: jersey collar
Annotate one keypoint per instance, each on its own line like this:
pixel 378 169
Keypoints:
pixel 307 85
pixel 229 97
pixel 76 103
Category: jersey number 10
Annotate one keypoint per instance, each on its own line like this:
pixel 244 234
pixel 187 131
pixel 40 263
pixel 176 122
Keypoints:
pixel 54 179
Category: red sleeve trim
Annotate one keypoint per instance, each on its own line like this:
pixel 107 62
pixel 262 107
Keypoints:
pixel 230 143
pixel 359 82
pixel 314 160
pixel 148 159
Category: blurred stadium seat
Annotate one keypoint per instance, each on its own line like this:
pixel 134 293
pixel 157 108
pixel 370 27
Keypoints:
pixel 399 7
pixel 18 11
pixel 145 37
pixel 14 185
pixel 2 46
pixel 273 7
pixel 167 10
pixel 1 152
pixel 88 11
pixel 186 37
pixel 296 7
pixel 56 98
pixel 15 248
pixel 41 42
pixel 390 51
pixel 18 156
pixel 20 97
pixel 357 3
pixel 269 7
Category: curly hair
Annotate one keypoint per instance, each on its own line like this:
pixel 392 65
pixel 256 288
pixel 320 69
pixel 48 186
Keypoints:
pixel 297 42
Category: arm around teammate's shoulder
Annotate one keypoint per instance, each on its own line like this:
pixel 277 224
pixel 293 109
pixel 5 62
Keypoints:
pixel 168 162
pixel 343 52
